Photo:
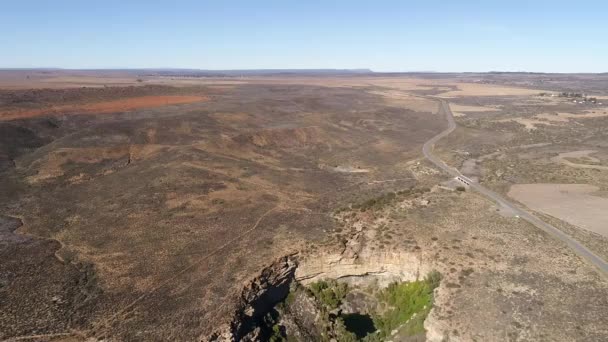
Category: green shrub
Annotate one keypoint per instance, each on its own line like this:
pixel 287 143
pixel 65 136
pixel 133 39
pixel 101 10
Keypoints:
pixel 406 300
pixel 329 293
pixel 291 297
pixel 277 335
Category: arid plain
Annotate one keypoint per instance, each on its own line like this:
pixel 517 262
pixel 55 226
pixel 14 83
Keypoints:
pixel 152 206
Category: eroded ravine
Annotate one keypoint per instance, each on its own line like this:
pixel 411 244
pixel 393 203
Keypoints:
pixel 279 300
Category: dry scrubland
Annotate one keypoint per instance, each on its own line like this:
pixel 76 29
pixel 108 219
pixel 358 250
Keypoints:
pixel 556 146
pixel 141 212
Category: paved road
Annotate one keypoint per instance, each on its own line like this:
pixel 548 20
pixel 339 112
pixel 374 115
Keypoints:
pixel 581 250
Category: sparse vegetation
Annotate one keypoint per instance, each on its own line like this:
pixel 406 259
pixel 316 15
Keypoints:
pixel 277 334
pixel 403 301
pixel 402 306
pixel 379 202
pixel 165 206
pixel 329 293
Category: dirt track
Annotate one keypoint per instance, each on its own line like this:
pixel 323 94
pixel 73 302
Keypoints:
pixel 561 158
pixel 581 250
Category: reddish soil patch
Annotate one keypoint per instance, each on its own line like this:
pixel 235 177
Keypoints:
pixel 113 106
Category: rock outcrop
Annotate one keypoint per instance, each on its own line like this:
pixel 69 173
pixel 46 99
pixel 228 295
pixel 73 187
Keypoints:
pixel 257 299
pixel 355 264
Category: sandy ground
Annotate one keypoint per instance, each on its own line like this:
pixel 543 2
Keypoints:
pixel 554 119
pixel 573 203
pixel 350 169
pixel 584 155
pixel 530 124
pixel 410 83
pixel 399 98
pixel 459 110
pixel 565 117
pixel 104 107
pixel 475 89
pixel 74 78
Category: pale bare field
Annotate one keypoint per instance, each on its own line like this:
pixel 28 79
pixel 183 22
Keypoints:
pixel 552 119
pixel 406 83
pixel 59 79
pixel 573 203
pixel 410 84
pixel 474 89
pixel 530 124
pixel 417 103
pixel 459 110
pixel 565 117
pixel 582 156
pixel 403 83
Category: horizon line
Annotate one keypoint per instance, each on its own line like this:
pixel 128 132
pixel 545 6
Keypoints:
pixel 352 70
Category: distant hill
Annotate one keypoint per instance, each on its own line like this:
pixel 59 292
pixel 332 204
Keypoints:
pixel 250 72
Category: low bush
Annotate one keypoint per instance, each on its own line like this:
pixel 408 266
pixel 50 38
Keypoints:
pixel 329 293
pixel 406 300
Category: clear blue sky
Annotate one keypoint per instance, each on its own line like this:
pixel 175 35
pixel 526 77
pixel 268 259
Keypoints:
pixel 553 36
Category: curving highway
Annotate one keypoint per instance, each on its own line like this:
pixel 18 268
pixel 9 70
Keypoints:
pixel 576 246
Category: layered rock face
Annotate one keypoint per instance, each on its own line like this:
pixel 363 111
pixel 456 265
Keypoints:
pixel 356 262
pixel 353 264
pixel 383 267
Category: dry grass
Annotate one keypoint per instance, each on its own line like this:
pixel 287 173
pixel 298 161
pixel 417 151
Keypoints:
pixel 402 99
pixel 459 110
pixel 529 123
pixel 114 106
pixel 474 89
pixel 552 119
pixel 565 117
